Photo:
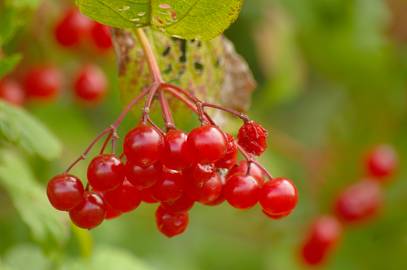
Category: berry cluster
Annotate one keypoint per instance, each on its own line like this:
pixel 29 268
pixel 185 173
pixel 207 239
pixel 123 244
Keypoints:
pixel 357 203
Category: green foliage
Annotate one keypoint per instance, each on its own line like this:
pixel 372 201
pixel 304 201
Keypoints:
pixel 201 19
pixel 8 64
pixel 22 256
pixel 20 128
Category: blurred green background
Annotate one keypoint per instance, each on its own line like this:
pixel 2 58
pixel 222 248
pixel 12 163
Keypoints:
pixel 332 82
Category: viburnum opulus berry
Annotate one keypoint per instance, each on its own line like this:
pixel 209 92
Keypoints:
pixel 205 192
pixel 230 158
pixel 101 37
pixel 253 138
pixel 175 155
pixel 143 178
pixel 169 187
pixel 72 28
pixel 242 191
pixel 182 204
pixel 124 198
pixel 381 162
pixel 199 173
pixel 90 84
pixel 12 92
pixel 105 172
pixel 171 223
pixel 42 82
pixel 65 192
pixel 251 168
pixel 90 212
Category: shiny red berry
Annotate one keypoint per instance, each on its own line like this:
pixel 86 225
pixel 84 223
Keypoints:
pixel 90 84
pixel 206 144
pixel 11 92
pixel 254 171
pixel 182 204
pixel 90 213
pixel 70 30
pixel 276 216
pixel 199 173
pixel 170 187
pixel 171 223
pixel 175 155
pixel 124 198
pixel 105 172
pixel 278 197
pixel 143 178
pixel 65 192
pixel 101 37
pixel 147 196
pixel 230 158
pixel 111 213
pixel 143 145
pixel 242 191
pixel 321 239
pixel 381 162
pixel 206 192
pixel 42 82
pixel 253 138
pixel 359 202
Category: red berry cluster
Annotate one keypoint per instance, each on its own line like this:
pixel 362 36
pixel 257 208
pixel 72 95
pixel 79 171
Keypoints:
pixel 357 203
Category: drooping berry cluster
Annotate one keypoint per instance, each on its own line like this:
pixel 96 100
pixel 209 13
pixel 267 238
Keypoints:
pixel 357 203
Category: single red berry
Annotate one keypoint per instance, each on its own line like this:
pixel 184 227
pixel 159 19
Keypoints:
pixel 11 92
pixel 111 213
pixel 253 138
pixel 124 198
pixel 207 192
pixel 147 196
pixel 65 192
pixel 90 213
pixel 90 84
pixel 171 223
pixel 199 173
pixel 278 197
pixel 105 172
pixel 359 202
pixel 381 162
pixel 170 187
pixel 42 82
pixel 276 216
pixel 242 191
pixel 175 154
pixel 143 178
pixel 182 204
pixel 206 144
pixel 230 158
pixel 70 30
pixel 321 239
pixel 143 145
pixel 254 171
pixel 101 37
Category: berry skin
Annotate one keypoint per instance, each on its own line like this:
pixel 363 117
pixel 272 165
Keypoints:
pixel 147 196
pixel 42 82
pixel 242 191
pixel 124 198
pixel 253 138
pixel 70 30
pixel 359 202
pixel 230 158
pixel 169 223
pixel 276 216
pixel 90 213
pixel 182 204
pixel 111 213
pixel 101 37
pixel 254 171
pixel 381 162
pixel 65 192
pixel 199 173
pixel 207 192
pixel 322 238
pixel 206 144
pixel 170 187
pixel 278 197
pixel 105 172
pixel 143 178
pixel 175 155
pixel 90 84
pixel 12 92
pixel 143 145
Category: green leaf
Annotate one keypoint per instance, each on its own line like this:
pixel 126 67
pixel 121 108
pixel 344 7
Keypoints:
pixel 22 256
pixel 21 129
pixel 7 64
pixel 195 19
pixel 30 200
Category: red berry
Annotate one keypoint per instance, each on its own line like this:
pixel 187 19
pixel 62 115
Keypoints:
pixel 206 144
pixel 124 198
pixel 65 192
pixel 170 187
pixel 323 236
pixel 90 213
pixel 42 82
pixel 276 216
pixel 206 192
pixel 147 195
pixel 111 213
pixel 254 171
pixel 143 145
pixel 12 92
pixel 182 204
pixel 359 202
pixel 175 155
pixel 199 173
pixel 171 223
pixel 101 37
pixel 381 162
pixel 253 138
pixel 278 197
pixel 90 84
pixel 143 178
pixel 242 191
pixel 72 28
pixel 105 172
pixel 230 158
